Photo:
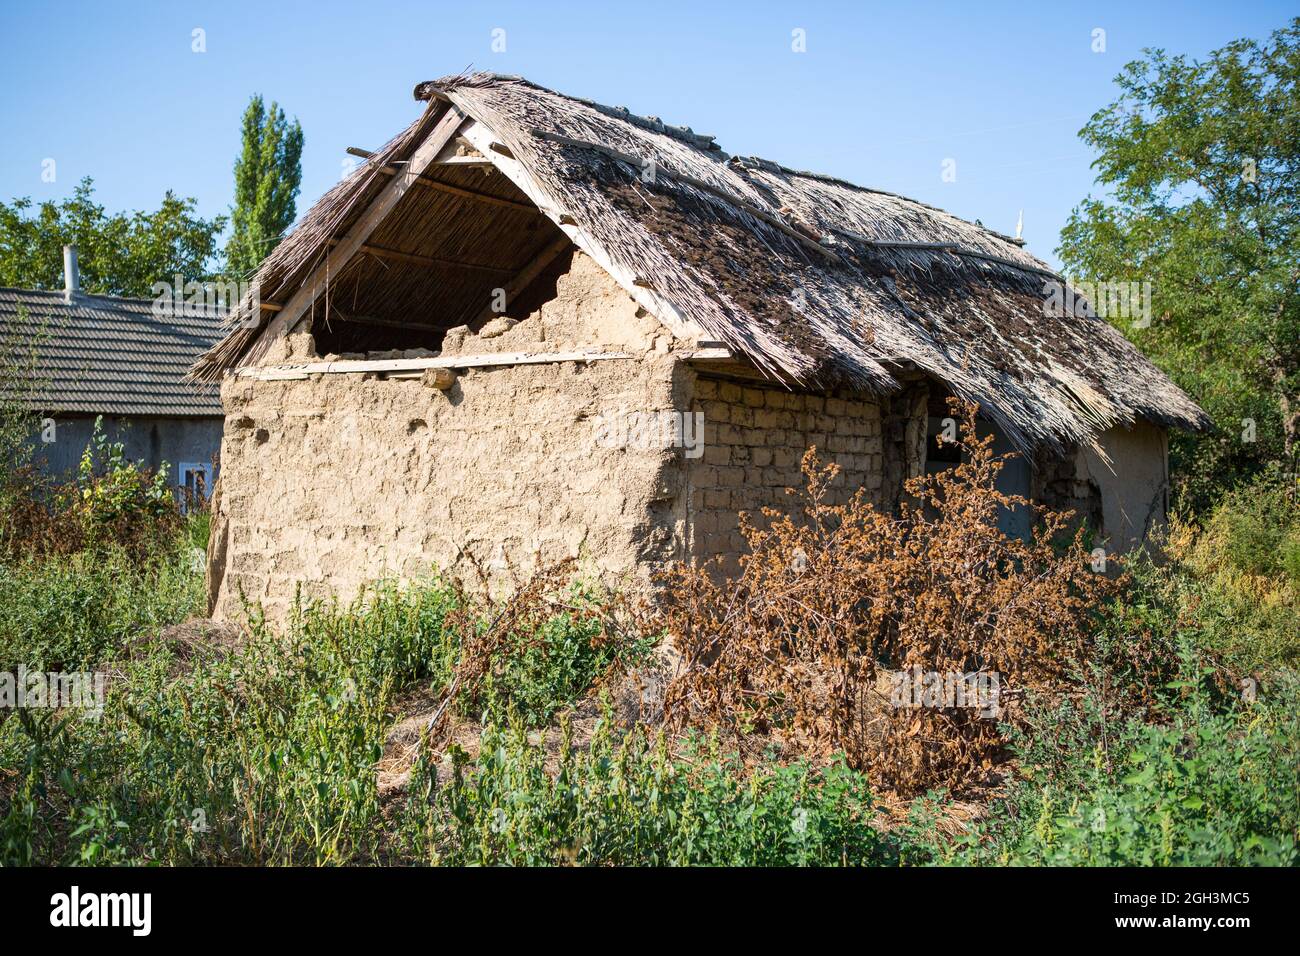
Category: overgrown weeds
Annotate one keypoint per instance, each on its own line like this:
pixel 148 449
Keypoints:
pixel 113 503
pixel 628 799
pixel 264 750
pixel 1206 786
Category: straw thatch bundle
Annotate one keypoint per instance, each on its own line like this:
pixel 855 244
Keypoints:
pixel 817 282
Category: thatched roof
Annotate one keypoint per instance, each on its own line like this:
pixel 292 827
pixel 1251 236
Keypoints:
pixel 818 282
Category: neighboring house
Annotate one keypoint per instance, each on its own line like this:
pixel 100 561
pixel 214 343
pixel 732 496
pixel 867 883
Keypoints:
pixel 532 326
pixel 123 359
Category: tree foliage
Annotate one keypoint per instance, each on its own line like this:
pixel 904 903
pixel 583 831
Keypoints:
pixel 121 253
pixel 1200 164
pixel 267 176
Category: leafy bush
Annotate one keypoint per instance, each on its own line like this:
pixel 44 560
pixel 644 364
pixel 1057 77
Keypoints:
pixel 114 503
pixel 1209 788
pixel 1231 588
pixel 625 800
pixel 1256 529
pixel 73 611
pixel 537 649
pixel 120 501
pixel 551 666
pixel 21 386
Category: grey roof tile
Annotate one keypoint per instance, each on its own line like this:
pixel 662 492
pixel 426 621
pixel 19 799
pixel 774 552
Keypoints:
pixel 112 356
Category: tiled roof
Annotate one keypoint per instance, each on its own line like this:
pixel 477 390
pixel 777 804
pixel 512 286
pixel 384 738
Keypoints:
pixel 107 355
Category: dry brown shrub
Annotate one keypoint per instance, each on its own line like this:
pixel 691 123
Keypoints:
pixel 40 518
pixel 831 599
pixel 35 521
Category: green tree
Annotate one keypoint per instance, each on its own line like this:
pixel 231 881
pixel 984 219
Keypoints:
pixel 1200 160
pixel 21 384
pixel 122 253
pixel 267 176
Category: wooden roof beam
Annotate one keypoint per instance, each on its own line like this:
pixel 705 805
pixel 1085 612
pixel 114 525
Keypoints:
pixel 428 182
pixel 376 212
pixel 380 252
pixel 526 275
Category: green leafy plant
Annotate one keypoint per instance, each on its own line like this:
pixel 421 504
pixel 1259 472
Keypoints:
pixel 1198 168
pixel 121 253
pixel 625 799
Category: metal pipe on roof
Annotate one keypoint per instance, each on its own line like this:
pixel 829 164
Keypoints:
pixel 71 275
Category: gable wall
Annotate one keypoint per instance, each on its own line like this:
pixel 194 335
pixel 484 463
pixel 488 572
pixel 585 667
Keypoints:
pixel 339 479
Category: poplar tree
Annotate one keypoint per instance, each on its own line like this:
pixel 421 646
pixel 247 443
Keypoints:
pixel 268 174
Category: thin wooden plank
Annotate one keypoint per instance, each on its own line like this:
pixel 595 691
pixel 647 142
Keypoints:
pixel 356 366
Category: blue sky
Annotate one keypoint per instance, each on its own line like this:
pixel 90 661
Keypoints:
pixel 884 93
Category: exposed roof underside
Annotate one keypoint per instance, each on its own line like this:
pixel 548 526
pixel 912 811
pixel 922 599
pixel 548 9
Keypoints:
pixel 815 281
pixel 105 355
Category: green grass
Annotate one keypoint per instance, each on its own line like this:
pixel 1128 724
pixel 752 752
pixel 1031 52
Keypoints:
pixel 264 753
pixel 625 800
pixel 1211 787
pixel 69 612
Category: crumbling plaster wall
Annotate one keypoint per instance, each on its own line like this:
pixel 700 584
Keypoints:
pixel 339 479
pixel 1119 488
pixel 1133 481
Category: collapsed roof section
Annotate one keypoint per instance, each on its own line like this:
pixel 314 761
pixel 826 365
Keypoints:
pixel 816 282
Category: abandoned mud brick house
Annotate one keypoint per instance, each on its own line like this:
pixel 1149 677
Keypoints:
pixel 532 326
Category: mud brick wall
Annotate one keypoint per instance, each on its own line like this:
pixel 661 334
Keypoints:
pixel 755 436
pixel 335 483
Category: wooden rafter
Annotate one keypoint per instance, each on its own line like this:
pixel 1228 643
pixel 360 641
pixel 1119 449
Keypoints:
pixel 381 252
pixel 351 244
pixel 428 182
pixel 528 273
pixel 650 300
